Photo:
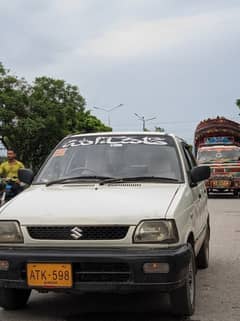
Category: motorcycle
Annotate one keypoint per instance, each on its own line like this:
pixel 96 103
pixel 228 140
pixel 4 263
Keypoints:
pixel 9 188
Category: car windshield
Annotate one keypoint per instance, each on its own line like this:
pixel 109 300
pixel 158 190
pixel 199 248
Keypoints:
pixel 219 155
pixel 107 157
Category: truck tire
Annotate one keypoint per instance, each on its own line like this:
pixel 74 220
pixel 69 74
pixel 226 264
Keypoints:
pixel 183 299
pixel 236 193
pixel 203 255
pixel 13 299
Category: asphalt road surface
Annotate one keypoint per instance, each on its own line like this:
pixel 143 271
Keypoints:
pixel 218 287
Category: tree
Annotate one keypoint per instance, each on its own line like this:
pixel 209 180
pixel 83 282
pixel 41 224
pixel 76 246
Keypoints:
pixel 238 103
pixel 33 118
pixel 159 129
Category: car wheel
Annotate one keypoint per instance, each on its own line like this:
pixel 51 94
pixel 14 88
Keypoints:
pixel 183 299
pixel 236 193
pixel 203 255
pixel 13 299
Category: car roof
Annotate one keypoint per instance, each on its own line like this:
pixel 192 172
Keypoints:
pixel 119 133
pixel 137 133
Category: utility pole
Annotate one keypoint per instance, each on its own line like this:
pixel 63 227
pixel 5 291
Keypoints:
pixel 144 120
pixel 108 111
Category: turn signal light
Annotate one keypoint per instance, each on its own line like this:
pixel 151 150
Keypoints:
pixel 156 267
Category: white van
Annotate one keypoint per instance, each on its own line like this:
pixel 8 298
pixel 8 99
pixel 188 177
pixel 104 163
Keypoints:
pixel 114 212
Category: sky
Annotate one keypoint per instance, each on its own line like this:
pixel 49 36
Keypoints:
pixel 178 61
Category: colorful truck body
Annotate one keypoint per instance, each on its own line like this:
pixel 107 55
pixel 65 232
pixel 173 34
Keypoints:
pixel 217 144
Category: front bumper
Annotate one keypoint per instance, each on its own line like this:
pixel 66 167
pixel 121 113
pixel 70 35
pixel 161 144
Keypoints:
pixel 101 270
pixel 223 183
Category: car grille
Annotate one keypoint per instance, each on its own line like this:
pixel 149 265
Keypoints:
pixel 3 275
pixel 77 232
pixel 102 272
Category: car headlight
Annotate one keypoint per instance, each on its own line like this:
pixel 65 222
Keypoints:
pixel 10 232
pixel 157 231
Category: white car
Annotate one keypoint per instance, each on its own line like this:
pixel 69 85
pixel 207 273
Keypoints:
pixel 108 212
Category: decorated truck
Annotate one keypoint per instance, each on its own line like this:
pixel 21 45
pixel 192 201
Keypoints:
pixel 217 144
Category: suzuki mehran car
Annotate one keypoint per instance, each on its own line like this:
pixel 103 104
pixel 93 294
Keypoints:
pixel 108 212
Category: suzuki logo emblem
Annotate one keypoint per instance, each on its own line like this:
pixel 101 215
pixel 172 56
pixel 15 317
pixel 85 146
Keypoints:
pixel 76 233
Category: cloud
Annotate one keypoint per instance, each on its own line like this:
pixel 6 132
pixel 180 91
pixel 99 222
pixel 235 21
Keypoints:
pixel 148 38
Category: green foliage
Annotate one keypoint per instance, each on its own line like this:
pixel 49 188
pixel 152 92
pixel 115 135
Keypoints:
pixel 159 129
pixel 33 118
pixel 190 147
pixel 238 103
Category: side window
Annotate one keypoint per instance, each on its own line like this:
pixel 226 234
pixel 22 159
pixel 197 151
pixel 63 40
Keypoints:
pixel 191 157
pixel 189 161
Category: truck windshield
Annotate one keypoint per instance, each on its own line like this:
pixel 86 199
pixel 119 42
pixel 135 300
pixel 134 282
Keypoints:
pixel 218 155
pixel 95 157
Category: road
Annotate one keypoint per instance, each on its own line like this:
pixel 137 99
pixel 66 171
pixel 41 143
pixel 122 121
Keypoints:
pixel 218 293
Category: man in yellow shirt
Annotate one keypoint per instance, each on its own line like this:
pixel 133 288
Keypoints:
pixel 9 172
pixel 9 169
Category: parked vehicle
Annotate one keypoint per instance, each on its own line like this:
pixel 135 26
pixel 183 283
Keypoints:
pixel 217 144
pixel 108 212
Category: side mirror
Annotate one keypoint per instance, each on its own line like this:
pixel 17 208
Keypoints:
pixel 200 173
pixel 25 175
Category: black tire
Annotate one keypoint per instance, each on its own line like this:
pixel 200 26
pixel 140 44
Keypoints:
pixel 236 193
pixel 203 255
pixel 183 299
pixel 13 299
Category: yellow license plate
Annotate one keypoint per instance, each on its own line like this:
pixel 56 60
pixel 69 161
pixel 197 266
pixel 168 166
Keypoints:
pixel 52 275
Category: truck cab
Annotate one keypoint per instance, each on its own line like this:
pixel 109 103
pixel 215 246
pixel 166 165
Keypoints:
pixel 217 144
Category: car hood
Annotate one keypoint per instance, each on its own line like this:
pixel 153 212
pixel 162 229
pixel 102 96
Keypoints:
pixel 126 203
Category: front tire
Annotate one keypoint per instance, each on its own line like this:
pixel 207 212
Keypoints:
pixel 183 299
pixel 13 299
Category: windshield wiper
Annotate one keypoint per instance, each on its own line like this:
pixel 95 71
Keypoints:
pixel 138 178
pixel 67 180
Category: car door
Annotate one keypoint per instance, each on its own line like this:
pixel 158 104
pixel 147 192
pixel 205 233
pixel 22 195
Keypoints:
pixel 197 218
pixel 202 195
